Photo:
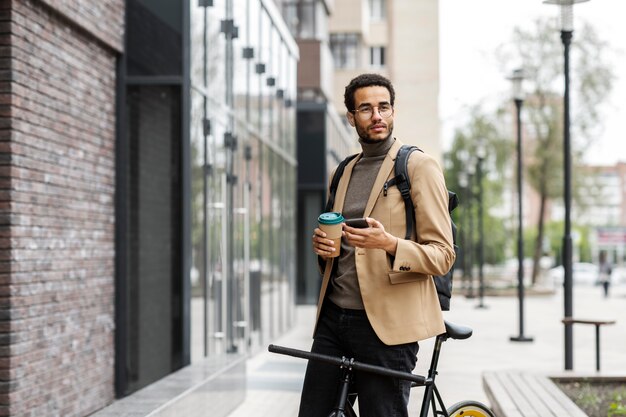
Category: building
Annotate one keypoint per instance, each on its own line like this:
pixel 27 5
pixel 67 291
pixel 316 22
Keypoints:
pixel 400 40
pixel 602 201
pixel 323 138
pixel 148 202
pixel 602 205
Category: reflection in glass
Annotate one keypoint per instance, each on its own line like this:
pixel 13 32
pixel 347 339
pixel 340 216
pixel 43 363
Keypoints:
pixel 199 238
pixel 243 250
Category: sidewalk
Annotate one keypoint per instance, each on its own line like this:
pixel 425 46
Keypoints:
pixel 274 381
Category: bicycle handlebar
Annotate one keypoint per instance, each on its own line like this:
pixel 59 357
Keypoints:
pixel 344 362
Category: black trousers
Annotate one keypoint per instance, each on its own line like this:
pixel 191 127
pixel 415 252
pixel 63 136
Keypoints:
pixel 343 332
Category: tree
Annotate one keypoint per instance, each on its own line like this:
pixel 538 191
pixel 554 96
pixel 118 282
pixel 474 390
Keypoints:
pixel 540 52
pixel 480 126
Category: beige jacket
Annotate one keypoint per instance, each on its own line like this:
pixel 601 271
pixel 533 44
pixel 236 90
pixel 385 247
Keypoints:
pixel 398 293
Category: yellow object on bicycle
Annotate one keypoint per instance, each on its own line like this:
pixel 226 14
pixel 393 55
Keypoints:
pixel 469 409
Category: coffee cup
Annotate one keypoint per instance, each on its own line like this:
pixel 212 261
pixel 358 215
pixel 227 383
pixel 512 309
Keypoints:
pixel 330 223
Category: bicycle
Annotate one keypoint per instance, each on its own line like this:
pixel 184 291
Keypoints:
pixel 343 407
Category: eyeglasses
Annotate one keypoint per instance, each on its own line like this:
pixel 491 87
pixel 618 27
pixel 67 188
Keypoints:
pixel 366 112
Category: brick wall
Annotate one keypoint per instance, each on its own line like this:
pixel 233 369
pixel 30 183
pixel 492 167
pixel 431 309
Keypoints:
pixel 57 163
pixel 104 20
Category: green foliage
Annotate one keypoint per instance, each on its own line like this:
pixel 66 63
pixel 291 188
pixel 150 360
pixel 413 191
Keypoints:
pixel 587 396
pixel 618 405
pixel 583 243
pixel 553 236
pixel 481 126
pixel 596 397
pixel 530 234
pixel 616 409
pixel 496 236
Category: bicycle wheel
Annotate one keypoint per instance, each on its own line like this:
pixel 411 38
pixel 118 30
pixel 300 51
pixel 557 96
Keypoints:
pixel 470 409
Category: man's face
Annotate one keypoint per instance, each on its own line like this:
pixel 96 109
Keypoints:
pixel 369 102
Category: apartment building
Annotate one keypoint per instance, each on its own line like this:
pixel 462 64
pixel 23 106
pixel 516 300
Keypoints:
pixel 602 205
pixel 400 40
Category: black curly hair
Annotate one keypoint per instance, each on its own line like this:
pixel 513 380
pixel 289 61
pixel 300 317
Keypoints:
pixel 366 80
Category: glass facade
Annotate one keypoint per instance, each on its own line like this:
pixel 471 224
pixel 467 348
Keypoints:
pixel 206 184
pixel 243 84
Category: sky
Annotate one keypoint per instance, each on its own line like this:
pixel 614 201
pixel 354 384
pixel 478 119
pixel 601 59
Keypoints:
pixel 470 32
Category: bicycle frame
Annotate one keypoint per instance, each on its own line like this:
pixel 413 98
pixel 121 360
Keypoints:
pixel 432 397
pixel 428 400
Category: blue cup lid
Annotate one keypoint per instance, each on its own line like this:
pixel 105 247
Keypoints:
pixel 330 218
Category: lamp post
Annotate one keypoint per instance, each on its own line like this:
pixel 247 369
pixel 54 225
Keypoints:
pixel 516 78
pixel 466 227
pixel 567 27
pixel 471 172
pixel 463 190
pixel 481 152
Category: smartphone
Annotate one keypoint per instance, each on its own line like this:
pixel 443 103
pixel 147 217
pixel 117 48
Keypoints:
pixel 358 223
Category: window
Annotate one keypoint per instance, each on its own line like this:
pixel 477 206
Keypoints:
pixel 306 19
pixel 345 48
pixel 378 10
pixel 377 56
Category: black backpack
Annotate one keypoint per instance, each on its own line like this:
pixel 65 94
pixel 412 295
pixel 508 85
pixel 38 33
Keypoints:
pixel 443 283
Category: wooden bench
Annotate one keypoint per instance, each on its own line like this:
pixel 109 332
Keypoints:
pixel 597 323
pixel 520 394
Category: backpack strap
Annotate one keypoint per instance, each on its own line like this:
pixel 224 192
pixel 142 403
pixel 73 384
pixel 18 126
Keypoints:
pixel 443 283
pixel 335 182
pixel 403 183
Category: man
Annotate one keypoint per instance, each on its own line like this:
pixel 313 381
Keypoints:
pixel 604 272
pixel 378 298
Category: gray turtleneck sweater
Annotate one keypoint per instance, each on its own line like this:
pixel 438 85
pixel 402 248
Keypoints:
pixel 345 284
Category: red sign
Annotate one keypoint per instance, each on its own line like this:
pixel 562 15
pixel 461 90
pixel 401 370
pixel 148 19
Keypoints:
pixel 611 236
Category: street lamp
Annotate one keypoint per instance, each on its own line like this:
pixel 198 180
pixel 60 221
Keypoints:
pixel 463 190
pixel 518 97
pixel 481 152
pixel 567 27
pixel 471 172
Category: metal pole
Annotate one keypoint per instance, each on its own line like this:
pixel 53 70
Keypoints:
pixel 520 236
pixel 597 347
pixel 566 37
pixel 462 228
pixel 470 237
pixel 205 197
pixel 481 235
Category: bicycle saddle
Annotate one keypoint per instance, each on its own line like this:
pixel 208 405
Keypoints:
pixel 456 331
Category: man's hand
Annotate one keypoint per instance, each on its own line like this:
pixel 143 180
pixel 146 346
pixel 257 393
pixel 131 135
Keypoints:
pixel 321 246
pixel 373 237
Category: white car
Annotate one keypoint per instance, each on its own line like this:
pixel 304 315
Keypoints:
pixel 583 273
